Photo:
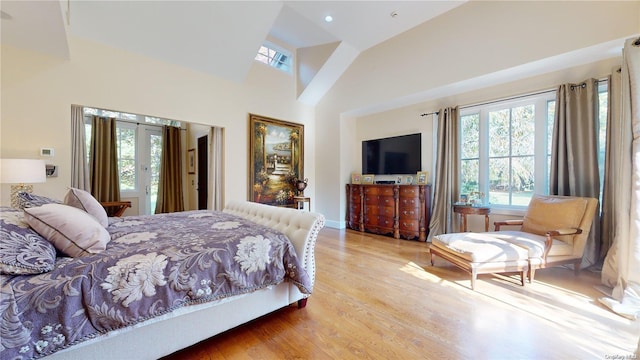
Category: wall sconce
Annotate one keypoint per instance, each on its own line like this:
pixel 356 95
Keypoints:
pixel 21 172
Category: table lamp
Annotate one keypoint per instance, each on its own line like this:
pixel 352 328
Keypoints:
pixel 21 172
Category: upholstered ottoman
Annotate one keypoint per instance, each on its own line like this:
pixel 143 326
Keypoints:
pixel 481 253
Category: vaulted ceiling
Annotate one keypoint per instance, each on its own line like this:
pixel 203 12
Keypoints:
pixel 216 37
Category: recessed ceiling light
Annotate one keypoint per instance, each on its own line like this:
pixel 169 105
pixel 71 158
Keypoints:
pixel 328 18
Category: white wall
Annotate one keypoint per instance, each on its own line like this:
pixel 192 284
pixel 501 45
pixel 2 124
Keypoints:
pixel 477 52
pixel 38 90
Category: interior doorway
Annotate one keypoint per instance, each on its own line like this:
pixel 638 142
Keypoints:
pixel 203 172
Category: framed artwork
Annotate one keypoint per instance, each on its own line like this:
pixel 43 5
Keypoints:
pixel 408 179
pixel 422 177
pixel 356 178
pixel 367 179
pixel 276 155
pixel 191 161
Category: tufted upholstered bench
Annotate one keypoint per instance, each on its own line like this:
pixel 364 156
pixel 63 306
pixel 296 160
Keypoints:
pixel 554 231
pixel 480 253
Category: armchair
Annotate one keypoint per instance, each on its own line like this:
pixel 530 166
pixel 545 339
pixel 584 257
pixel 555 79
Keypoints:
pixel 553 232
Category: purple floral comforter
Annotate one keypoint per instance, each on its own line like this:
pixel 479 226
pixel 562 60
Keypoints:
pixel 153 265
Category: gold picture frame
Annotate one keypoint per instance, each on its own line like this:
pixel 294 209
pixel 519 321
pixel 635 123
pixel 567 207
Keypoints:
pixel 422 177
pixel 356 178
pixel 367 179
pixel 276 160
pixel 191 161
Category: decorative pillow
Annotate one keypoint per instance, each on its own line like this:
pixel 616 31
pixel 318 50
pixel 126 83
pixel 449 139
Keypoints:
pixel 22 250
pixel 27 200
pixel 83 200
pixel 71 230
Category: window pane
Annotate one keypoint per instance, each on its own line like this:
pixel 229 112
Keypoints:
pixel 127 158
pixel 522 180
pixel 499 133
pixel 499 181
pixel 279 59
pixel 156 153
pixel 470 174
pixel 523 130
pixel 470 136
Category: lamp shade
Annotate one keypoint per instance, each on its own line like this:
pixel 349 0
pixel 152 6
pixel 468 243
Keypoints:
pixel 22 171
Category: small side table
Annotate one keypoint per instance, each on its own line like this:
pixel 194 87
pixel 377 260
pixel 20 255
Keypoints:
pixel 465 210
pixel 118 206
pixel 300 200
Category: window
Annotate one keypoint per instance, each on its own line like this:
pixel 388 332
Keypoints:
pixel 273 56
pixel 139 150
pixel 506 148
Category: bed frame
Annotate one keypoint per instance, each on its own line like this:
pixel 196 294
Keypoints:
pixel 186 326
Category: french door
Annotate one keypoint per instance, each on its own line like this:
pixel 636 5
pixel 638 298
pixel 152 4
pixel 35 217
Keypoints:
pixel 139 154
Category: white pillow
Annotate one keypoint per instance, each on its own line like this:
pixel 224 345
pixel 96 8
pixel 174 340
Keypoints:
pixel 83 200
pixel 71 230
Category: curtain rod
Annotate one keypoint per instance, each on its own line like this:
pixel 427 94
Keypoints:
pixel 506 99
pixel 495 101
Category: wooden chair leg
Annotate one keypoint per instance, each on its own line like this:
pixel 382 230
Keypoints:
pixel 431 255
pixel 576 267
pixel 532 272
pixel 523 275
pixel 474 275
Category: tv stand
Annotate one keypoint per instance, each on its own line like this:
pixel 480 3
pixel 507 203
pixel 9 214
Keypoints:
pixel 400 211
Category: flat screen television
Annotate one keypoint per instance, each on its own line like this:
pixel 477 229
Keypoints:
pixel 392 155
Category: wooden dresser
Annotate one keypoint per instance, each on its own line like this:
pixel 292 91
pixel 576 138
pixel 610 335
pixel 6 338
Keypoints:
pixel 401 211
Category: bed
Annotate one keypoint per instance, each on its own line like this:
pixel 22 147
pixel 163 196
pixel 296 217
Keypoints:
pixel 159 284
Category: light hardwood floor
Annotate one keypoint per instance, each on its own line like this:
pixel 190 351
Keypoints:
pixel 379 298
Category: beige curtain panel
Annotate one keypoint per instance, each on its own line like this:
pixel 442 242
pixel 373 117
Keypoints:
pixel 170 194
pixel 215 168
pixel 621 269
pixel 80 176
pixel 105 182
pixel 616 134
pixel 574 153
pixel 447 178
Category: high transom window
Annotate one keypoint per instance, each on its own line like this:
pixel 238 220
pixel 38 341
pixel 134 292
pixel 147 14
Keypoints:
pixel 274 56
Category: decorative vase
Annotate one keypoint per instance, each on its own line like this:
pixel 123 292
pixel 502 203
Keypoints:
pixel 301 185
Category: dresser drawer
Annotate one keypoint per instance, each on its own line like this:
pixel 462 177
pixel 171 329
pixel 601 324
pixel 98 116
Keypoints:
pixel 386 222
pixel 409 202
pixel 386 201
pixel 409 191
pixel 387 211
pixel 411 213
pixel 371 199
pixel 378 190
pixel 410 225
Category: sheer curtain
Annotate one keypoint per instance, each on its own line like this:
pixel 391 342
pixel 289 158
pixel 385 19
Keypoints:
pixel 170 194
pixel 615 134
pixel 447 178
pixel 216 146
pixel 574 154
pixel 621 269
pixel 80 178
pixel 105 182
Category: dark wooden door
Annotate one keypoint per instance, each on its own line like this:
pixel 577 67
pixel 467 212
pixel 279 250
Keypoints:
pixel 203 172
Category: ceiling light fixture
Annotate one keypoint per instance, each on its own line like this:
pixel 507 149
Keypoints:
pixel 328 18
